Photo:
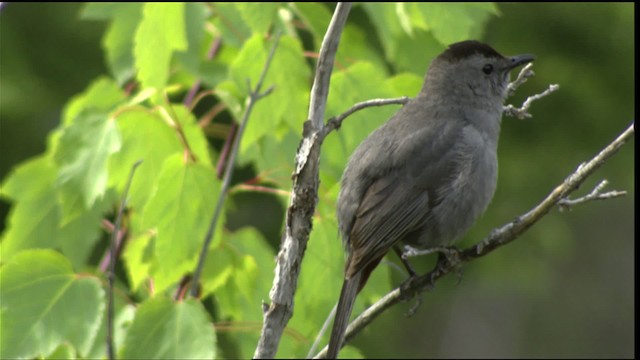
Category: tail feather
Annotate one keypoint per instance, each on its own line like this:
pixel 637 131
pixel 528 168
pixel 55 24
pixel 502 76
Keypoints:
pixel 350 289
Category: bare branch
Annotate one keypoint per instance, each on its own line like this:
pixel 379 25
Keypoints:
pixel 525 73
pixel 320 87
pixel 254 96
pixel 595 194
pixel 303 198
pixel 521 112
pixel 498 237
pixel 335 122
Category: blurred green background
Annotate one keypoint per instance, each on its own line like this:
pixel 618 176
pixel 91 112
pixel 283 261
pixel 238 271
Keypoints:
pixel 564 289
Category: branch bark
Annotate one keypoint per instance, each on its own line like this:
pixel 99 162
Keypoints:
pixel 497 238
pixel 303 199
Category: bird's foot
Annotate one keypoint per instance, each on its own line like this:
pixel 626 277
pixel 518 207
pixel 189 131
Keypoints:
pixel 449 256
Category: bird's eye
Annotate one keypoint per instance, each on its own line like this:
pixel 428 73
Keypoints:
pixel 487 69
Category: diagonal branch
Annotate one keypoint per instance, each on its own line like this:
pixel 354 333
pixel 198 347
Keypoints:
pixel 112 262
pixel 498 237
pixel 254 96
pixel 303 198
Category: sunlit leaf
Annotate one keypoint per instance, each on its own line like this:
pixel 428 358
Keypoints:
pixel 195 20
pixel 161 32
pixel 258 16
pixel 138 257
pixel 452 22
pixel 102 95
pixel 166 330
pixel 145 136
pixel 85 147
pixel 118 40
pixel 34 220
pixel 288 74
pixel 179 213
pixel 250 261
pixel 44 304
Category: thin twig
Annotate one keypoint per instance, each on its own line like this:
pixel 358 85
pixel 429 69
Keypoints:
pixel 335 122
pixel 595 194
pixel 521 112
pixel 525 73
pixel 258 188
pixel 497 237
pixel 225 150
pixel 303 197
pixel 254 96
pixel 112 263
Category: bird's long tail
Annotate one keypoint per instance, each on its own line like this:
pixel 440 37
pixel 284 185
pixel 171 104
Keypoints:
pixel 350 289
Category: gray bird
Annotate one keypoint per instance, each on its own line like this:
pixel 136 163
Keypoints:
pixel 427 174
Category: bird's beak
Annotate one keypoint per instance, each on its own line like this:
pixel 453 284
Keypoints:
pixel 518 60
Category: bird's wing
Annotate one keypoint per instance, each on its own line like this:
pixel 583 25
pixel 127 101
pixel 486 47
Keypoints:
pixel 398 199
pixel 388 211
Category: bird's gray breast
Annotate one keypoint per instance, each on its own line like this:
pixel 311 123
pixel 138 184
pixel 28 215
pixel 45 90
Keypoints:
pixel 465 194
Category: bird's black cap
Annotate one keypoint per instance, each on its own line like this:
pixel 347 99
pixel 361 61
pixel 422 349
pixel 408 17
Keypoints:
pixel 464 49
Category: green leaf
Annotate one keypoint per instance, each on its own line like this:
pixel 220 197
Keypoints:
pixel 76 239
pixel 446 23
pixel 161 32
pixel 406 83
pixel 258 16
pixel 166 330
pixel 124 313
pixel 229 24
pixel 44 304
pixel 63 352
pixel 179 211
pixel 192 131
pixel 271 156
pixel 101 96
pixel 416 59
pixel 251 261
pixel 218 269
pixel 387 24
pixel 452 22
pixel 290 76
pixel 359 49
pixel 84 149
pixel 34 217
pixel 118 42
pixel 138 257
pixel 100 11
pixel 316 16
pixel 145 136
pixel 33 221
pixel 28 179
pixel 229 92
pixel 195 19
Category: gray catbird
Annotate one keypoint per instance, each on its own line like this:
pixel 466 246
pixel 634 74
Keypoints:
pixel 427 174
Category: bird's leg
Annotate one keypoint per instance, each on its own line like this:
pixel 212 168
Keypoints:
pixel 446 254
pixel 405 261
pixel 412 275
